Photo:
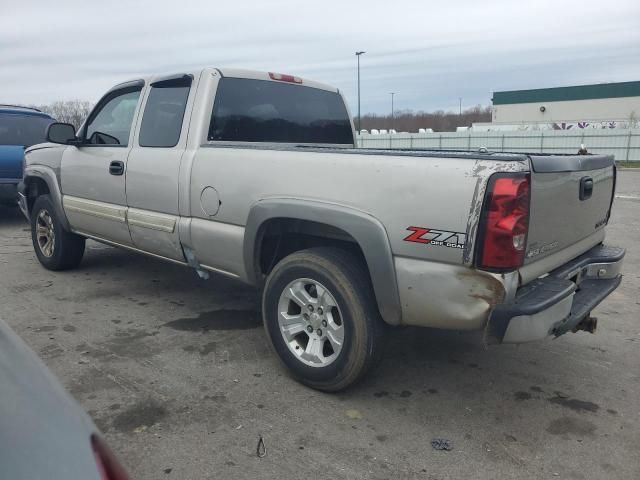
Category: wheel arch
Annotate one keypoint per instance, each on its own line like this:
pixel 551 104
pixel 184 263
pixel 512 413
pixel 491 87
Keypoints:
pixel 42 180
pixel 336 224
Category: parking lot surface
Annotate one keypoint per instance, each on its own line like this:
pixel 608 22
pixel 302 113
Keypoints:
pixel 177 373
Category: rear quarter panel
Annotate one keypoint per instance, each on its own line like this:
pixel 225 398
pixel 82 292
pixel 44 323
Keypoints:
pixel 444 194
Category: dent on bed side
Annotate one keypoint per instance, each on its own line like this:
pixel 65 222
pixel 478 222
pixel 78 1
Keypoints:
pixel 446 296
pixel 483 286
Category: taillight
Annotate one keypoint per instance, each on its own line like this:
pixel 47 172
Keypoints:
pixel 282 77
pixel 505 222
pixel 107 464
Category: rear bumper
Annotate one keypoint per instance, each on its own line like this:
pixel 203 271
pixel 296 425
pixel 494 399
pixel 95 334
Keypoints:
pixel 559 302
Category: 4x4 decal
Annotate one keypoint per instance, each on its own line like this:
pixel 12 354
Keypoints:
pixel 432 236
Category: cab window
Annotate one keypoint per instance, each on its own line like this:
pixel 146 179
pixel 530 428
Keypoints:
pixel 111 123
pixel 247 110
pixel 164 112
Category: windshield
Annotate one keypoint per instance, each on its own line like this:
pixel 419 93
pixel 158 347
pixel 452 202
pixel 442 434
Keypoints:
pixel 25 130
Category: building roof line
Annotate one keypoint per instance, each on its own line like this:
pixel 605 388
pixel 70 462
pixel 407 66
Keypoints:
pixel 563 94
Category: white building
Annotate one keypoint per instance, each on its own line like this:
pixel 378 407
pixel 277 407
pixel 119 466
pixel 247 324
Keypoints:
pixel 606 105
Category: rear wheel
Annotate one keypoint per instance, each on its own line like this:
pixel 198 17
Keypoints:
pixel 321 317
pixel 56 248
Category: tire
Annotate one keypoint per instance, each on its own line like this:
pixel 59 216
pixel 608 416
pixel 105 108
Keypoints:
pixel 320 360
pixel 65 250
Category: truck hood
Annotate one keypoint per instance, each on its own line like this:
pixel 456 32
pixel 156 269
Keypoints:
pixel 41 146
pixel 11 161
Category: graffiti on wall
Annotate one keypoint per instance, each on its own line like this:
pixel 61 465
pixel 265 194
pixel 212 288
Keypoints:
pixel 597 125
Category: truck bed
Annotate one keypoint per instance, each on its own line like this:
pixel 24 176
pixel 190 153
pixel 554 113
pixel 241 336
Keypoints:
pixel 399 152
pixel 566 160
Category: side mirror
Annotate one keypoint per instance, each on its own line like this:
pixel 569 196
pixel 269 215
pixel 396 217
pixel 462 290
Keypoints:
pixel 63 133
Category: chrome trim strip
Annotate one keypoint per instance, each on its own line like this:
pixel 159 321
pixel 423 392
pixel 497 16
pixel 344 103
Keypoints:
pixel 151 220
pixel 116 213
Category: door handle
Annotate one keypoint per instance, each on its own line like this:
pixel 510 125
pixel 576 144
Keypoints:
pixel 586 188
pixel 116 167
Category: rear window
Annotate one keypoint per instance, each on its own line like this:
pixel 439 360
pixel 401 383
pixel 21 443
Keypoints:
pixel 23 130
pixel 248 110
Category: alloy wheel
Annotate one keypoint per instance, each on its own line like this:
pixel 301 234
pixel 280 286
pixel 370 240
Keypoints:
pixel 310 322
pixel 45 233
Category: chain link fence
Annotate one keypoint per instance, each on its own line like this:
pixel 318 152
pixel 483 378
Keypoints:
pixel 624 144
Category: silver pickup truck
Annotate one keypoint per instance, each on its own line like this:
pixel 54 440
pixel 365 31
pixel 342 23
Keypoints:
pixel 256 176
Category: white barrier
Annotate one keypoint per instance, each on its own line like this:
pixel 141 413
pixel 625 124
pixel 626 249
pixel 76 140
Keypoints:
pixel 623 144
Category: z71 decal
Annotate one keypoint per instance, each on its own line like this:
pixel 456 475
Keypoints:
pixel 432 236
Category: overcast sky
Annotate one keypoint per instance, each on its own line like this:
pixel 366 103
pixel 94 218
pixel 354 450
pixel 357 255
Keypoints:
pixel 430 53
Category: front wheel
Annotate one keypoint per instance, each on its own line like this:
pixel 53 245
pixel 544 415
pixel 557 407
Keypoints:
pixel 56 248
pixel 321 317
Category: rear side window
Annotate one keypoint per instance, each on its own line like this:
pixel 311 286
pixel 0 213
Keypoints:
pixel 248 110
pixel 164 112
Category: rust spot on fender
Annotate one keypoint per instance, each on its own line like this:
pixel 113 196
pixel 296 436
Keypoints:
pixel 483 286
pixel 487 298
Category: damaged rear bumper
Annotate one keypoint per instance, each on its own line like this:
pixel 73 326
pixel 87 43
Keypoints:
pixel 559 302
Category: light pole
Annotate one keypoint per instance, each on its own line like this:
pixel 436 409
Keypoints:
pixel 460 100
pixel 392 116
pixel 358 57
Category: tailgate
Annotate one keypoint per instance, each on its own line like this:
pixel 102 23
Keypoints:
pixel 571 198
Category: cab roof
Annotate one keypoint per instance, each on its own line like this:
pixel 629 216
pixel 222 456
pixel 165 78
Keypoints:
pixel 238 73
pixel 258 75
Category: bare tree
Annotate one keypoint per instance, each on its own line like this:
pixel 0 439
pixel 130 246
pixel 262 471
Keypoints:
pixel 68 111
pixel 439 121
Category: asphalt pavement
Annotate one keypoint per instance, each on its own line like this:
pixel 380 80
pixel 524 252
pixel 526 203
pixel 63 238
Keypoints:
pixel 177 373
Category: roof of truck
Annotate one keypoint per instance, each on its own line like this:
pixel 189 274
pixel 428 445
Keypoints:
pixel 259 75
pixel 234 73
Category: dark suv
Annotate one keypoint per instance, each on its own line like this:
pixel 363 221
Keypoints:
pixel 20 127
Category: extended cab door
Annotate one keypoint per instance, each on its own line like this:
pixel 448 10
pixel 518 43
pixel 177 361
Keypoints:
pixel 93 173
pixel 154 167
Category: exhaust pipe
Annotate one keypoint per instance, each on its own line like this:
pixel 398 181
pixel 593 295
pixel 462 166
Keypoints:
pixel 589 324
